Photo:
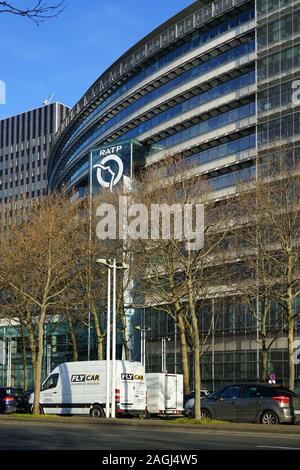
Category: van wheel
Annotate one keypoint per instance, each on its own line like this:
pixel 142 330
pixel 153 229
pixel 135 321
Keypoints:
pixel 96 412
pixel 269 417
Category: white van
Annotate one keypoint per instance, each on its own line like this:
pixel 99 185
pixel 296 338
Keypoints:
pixel 79 388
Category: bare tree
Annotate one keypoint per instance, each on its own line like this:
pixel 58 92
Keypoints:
pixel 278 195
pixel 258 287
pixel 272 215
pixel 39 264
pixel 38 11
pixel 179 279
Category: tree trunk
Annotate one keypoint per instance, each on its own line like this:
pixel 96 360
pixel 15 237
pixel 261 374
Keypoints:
pixel 124 335
pixel 99 335
pixel 72 338
pixel 291 324
pixel 24 357
pixel 32 343
pixel 197 373
pixel 264 365
pixel 184 354
pixel 264 348
pixel 291 352
pixel 196 350
pixel 182 330
pixel 39 362
pixel 32 346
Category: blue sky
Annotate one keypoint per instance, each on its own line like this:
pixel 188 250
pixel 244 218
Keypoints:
pixel 65 55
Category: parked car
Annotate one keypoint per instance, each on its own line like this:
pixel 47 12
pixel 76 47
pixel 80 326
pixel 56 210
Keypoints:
pixel 252 402
pixel 13 400
pixel 189 402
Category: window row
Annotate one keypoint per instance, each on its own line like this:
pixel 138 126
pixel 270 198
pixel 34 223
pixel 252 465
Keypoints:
pixel 26 195
pixel 232 147
pixel 22 182
pixel 268 6
pixel 197 38
pixel 213 93
pixel 278 30
pixel 276 96
pixel 281 128
pixel 280 62
pixel 232 54
pixel 210 124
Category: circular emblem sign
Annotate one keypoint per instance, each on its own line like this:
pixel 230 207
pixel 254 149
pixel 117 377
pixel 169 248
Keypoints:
pixel 105 165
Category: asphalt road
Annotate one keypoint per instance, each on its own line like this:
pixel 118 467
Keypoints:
pixel 46 436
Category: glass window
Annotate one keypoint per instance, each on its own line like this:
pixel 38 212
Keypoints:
pixel 231 392
pixel 215 395
pixel 254 391
pixel 51 382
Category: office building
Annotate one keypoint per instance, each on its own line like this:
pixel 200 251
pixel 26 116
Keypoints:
pixel 25 140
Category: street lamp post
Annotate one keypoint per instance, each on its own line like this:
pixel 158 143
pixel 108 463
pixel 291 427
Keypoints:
pixel 164 353
pixel 107 408
pixel 112 267
pixel 8 378
pixel 49 349
pixel 143 343
pixel 114 341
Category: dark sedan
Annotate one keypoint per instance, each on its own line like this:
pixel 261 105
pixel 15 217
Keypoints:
pixel 13 400
pixel 253 402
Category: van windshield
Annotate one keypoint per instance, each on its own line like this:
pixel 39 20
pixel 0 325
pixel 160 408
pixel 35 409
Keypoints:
pixel 51 382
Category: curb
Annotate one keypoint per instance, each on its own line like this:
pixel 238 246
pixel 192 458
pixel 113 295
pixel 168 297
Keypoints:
pixel 159 424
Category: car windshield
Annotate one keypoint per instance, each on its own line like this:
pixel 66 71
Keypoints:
pixel 215 395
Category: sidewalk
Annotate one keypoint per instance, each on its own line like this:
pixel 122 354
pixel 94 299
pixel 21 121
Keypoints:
pixel 155 423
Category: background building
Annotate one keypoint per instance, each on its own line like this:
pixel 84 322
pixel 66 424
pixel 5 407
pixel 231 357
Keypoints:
pixel 25 141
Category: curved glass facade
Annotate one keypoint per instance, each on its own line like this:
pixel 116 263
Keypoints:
pixel 215 92
pixel 198 38
pixel 207 76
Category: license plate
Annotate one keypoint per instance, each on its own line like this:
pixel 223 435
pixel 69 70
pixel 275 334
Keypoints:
pixel 297 412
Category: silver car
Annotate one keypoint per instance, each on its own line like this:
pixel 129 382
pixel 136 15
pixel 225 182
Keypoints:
pixel 189 402
pixel 253 402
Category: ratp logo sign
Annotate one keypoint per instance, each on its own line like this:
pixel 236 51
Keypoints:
pixel 110 170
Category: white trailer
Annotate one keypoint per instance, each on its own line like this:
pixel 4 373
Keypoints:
pixel 164 394
pixel 80 388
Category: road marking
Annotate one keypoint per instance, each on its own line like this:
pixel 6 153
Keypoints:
pixel 277 447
